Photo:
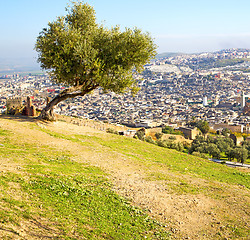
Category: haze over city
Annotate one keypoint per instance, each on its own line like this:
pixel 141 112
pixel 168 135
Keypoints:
pixel 177 26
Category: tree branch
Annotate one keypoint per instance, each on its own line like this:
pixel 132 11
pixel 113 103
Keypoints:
pixel 69 93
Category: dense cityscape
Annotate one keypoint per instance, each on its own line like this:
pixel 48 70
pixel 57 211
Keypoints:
pixel 173 90
pixel 125 120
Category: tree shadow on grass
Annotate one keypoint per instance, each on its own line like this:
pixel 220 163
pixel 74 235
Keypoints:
pixel 35 230
pixel 21 118
pixel 9 231
pixel 43 231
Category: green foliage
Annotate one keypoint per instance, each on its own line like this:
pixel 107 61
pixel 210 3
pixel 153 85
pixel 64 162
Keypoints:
pixel 246 144
pixel 111 130
pixel 170 130
pixel 180 147
pixel 228 62
pixel 213 150
pixel 171 145
pixel 158 135
pixel 214 146
pixel 161 143
pixel 140 134
pixel 224 143
pixel 78 52
pixel 172 138
pixel 241 154
pixel 199 154
pixel 230 154
pixel 203 126
pixel 149 139
pixel 225 132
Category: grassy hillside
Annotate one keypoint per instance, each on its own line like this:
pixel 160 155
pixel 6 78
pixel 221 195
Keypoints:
pixel 62 181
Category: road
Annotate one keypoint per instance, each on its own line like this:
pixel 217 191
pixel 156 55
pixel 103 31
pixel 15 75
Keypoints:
pixel 230 164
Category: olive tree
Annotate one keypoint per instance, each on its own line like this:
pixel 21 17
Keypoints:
pixel 82 55
pixel 203 126
pixel 241 154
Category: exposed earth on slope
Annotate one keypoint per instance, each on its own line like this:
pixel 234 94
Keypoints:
pixel 187 216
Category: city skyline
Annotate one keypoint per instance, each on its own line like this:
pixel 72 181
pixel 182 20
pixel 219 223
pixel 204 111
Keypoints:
pixel 177 26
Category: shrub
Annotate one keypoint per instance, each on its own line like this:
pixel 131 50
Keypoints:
pixel 135 137
pixel 180 147
pixel 160 143
pixel 241 154
pixel 111 130
pixel 149 139
pixel 140 134
pixel 203 155
pixel 197 154
pixel 172 138
pixel 158 135
pixel 170 130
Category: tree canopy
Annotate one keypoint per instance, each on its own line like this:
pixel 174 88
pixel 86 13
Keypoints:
pixel 203 126
pixel 82 55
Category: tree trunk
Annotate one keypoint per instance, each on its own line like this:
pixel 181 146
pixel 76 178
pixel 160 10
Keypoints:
pixel 48 114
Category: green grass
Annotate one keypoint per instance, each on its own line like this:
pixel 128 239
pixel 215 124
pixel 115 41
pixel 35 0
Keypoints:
pixel 76 200
pixel 178 162
pixel 71 200
pixel 173 160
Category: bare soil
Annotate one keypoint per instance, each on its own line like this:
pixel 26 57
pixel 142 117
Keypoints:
pixel 187 216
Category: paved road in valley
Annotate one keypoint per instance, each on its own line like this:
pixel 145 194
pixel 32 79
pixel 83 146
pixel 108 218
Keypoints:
pixel 230 164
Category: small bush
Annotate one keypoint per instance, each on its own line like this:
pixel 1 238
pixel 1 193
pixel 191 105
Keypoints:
pixel 172 138
pixel 135 137
pixel 158 135
pixel 160 143
pixel 149 139
pixel 197 154
pixel 111 130
pixel 201 155
pixel 140 134
pixel 180 147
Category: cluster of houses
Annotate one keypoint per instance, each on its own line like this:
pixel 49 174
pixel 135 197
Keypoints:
pixel 172 97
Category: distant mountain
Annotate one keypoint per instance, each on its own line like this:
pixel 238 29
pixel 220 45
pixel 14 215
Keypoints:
pixel 168 54
pixel 14 65
pixel 173 54
pixel 233 50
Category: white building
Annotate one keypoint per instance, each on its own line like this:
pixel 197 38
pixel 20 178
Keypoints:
pixel 243 99
pixel 205 101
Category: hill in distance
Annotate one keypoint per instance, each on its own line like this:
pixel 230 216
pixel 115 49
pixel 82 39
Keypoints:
pixel 65 181
pixel 18 65
pixel 174 54
pixel 29 64
pixel 168 54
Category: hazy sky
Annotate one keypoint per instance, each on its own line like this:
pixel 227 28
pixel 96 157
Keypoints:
pixel 176 25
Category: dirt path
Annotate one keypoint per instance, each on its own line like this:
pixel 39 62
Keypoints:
pixel 187 216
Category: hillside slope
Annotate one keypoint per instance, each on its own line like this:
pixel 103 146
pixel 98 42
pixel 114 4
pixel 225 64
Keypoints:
pixel 60 181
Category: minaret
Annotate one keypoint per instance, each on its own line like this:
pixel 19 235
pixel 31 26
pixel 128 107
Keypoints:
pixel 243 100
pixel 205 101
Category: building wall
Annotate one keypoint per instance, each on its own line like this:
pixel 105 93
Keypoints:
pixel 13 103
pixel 233 128
pixel 190 133
pixel 237 140
pixel 153 130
